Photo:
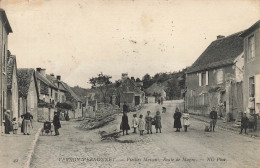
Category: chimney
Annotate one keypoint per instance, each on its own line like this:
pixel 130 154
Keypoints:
pixel 124 76
pixel 43 72
pixel 58 77
pixel 220 36
pixel 38 70
pixel 52 74
pixel 133 79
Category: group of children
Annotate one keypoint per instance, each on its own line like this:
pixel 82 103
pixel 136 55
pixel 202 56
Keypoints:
pixel 142 124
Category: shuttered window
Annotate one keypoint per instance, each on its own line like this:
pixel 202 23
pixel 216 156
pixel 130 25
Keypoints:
pixel 251 47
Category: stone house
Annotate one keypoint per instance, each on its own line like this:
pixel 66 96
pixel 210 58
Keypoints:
pixel 130 93
pixel 215 78
pixel 73 99
pixel 251 85
pixel 4 32
pixel 28 92
pixel 47 89
pixel 12 86
pixel 59 95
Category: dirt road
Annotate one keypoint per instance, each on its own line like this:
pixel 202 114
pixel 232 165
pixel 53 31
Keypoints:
pixel 195 148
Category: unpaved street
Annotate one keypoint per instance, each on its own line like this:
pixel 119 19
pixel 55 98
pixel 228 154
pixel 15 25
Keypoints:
pixel 195 148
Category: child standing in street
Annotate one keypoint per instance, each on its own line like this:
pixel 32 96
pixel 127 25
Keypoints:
pixel 135 122
pixel 15 125
pixel 141 125
pixel 186 121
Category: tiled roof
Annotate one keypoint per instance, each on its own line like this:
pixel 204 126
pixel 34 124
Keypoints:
pixel 220 52
pixel 24 76
pixel 55 82
pixel 250 29
pixel 74 96
pixel 44 79
pixel 11 64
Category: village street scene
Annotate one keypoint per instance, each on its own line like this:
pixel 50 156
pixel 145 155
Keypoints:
pixel 129 84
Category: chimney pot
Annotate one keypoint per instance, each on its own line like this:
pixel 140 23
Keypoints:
pixel 58 77
pixel 220 36
pixel 38 69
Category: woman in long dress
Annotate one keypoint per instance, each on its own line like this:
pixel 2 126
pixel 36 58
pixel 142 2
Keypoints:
pixel 177 120
pixel 27 123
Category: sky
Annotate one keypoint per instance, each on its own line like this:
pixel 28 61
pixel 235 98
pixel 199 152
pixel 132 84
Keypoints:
pixel 78 39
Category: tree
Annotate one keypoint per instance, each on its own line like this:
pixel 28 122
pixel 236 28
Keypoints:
pixel 147 80
pixel 173 89
pixel 138 80
pixel 101 82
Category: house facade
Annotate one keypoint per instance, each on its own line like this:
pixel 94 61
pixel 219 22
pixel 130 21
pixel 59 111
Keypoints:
pixel 47 89
pixel 4 32
pixel 12 87
pixel 28 92
pixel 74 101
pixel 129 93
pixel 215 78
pixel 251 86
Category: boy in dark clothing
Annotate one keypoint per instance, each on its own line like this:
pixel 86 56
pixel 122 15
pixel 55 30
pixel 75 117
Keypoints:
pixel 213 116
pixel 244 122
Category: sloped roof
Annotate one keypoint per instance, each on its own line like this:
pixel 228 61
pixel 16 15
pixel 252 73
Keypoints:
pixel 55 82
pixel 44 79
pixel 250 29
pixel 155 88
pixel 4 18
pixel 220 52
pixel 24 76
pixel 11 65
pixel 74 95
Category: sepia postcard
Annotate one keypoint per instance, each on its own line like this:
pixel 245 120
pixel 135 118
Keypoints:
pixel 129 83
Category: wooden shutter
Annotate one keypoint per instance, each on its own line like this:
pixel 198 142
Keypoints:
pixel 207 77
pixel 199 79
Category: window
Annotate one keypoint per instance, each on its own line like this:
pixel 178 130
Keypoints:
pixel 203 78
pixel 219 76
pixel 251 47
pixel 252 86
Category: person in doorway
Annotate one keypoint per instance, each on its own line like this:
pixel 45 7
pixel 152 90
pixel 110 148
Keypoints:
pixel 124 124
pixel 244 122
pixel 148 122
pixel 56 123
pixel 135 123
pixel 27 123
pixel 186 120
pixel 213 116
pixel 7 123
pixel 141 125
pixel 158 124
pixel 15 125
pixel 177 120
